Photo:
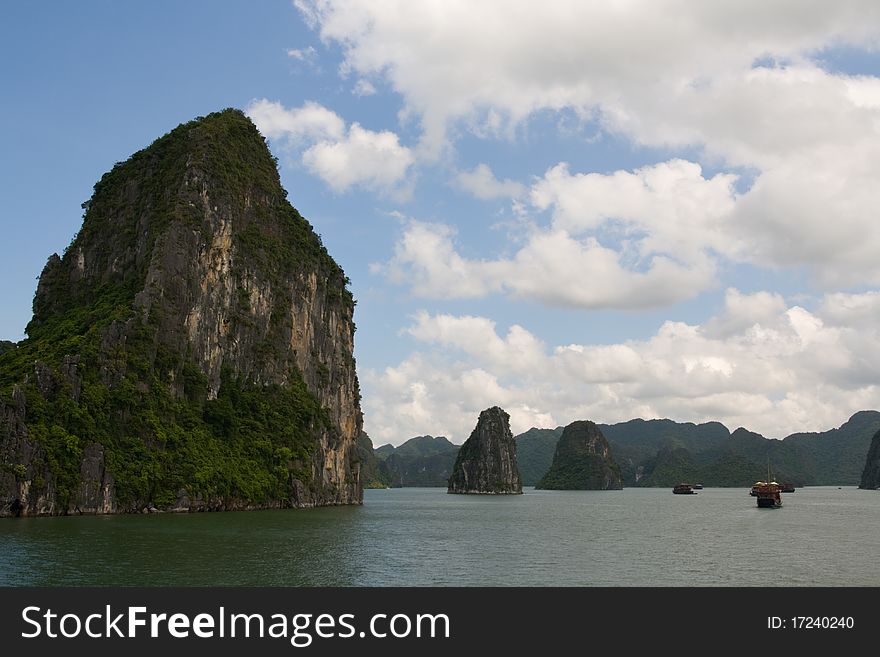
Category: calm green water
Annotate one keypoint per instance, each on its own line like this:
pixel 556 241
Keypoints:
pixel 406 537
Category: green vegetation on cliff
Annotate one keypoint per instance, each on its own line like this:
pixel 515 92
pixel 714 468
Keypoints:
pixel 534 453
pixel 871 472
pixel 423 461
pixel 665 453
pixel 582 461
pixel 371 474
pixel 246 444
pixel 106 361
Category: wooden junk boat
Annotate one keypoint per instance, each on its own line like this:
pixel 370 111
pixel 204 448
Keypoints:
pixel 684 489
pixel 768 492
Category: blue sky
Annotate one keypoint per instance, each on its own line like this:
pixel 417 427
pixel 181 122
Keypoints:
pixel 574 210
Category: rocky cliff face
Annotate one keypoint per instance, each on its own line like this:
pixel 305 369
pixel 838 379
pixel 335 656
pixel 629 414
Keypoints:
pixel 192 348
pixel 871 474
pixel 486 462
pixel 371 474
pixel 582 461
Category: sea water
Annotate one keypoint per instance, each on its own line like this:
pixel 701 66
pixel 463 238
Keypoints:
pixel 822 536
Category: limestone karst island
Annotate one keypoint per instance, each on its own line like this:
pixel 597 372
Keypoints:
pixel 191 349
pixel 486 463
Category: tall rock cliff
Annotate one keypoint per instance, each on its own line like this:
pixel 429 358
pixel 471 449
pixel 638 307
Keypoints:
pixel 582 461
pixel 192 349
pixel 871 473
pixel 486 462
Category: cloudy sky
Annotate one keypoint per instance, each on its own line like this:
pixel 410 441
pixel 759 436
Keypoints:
pixel 574 210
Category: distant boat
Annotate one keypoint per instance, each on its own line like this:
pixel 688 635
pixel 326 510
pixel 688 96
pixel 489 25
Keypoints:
pixel 684 489
pixel 768 492
pixel 768 495
pixel 787 487
pixel 698 486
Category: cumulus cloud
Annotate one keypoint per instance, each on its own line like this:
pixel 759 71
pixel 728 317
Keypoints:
pixel 483 184
pixel 744 311
pixel 740 81
pixel 760 363
pixel 637 239
pixel 570 54
pixel 363 88
pixel 342 157
pixel 425 259
pixel 851 309
pixel 666 208
pixel 519 352
pixel 311 122
pixel 553 268
pixel 371 159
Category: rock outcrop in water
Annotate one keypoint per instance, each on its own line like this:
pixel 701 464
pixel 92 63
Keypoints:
pixel 871 474
pixel 191 350
pixel 486 462
pixel 582 461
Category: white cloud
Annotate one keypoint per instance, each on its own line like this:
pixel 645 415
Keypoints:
pixel 557 269
pixel 770 367
pixel 519 352
pixel 426 260
pixel 862 310
pixel 342 158
pixel 371 159
pixel 623 240
pixel 302 54
pixel 668 74
pixel 483 184
pixel 656 235
pixel 744 311
pixel 570 54
pixel 669 207
pixel 363 88
pixel 311 122
pixel 553 268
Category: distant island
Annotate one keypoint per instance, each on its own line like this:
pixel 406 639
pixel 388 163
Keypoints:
pixel 664 453
pixel 423 461
pixel 582 461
